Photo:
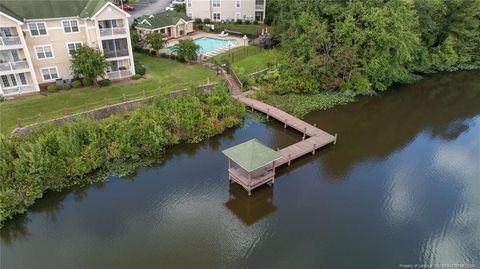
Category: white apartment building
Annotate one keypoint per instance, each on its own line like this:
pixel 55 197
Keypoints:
pixel 223 10
pixel 37 37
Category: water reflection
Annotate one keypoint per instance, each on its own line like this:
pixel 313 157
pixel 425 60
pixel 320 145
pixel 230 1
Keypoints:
pixel 402 184
pixel 250 208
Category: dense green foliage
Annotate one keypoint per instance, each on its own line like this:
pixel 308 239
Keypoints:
pixel 155 40
pixel 54 158
pixel 88 63
pixel 300 105
pixel 187 49
pixel 360 45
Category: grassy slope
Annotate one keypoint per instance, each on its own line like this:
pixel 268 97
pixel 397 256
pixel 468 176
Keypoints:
pixel 257 58
pixel 163 76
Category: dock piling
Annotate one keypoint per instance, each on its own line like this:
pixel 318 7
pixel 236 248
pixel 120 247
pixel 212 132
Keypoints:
pixel 304 133
pixel 335 141
pixel 285 125
pixel 289 159
pixel 313 151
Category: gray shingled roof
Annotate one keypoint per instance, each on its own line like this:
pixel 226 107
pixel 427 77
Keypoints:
pixel 42 9
pixel 161 20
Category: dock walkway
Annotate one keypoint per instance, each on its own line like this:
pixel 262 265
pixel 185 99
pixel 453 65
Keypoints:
pixel 313 137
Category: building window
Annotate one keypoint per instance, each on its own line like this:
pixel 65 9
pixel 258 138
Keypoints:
pixel 238 16
pixel 37 28
pixel 44 52
pixel 13 80
pixel 23 79
pixel 216 16
pixel 189 3
pixel 49 73
pixel 238 3
pixel 216 3
pixel 190 15
pixel 73 46
pixel 70 26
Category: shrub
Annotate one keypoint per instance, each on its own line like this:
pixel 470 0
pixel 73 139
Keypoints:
pixel 55 158
pixel 105 82
pixel 76 84
pixel 136 76
pixel 255 22
pixel 200 26
pixel 67 86
pixel 238 21
pixel 247 22
pixel 198 21
pixel 153 52
pixel 206 20
pixel 87 82
pixel 164 55
pixel 2 98
pixel 52 88
pixel 140 69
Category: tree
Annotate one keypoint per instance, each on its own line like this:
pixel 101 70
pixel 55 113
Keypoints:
pixel 89 63
pixel 155 40
pixel 180 8
pixel 187 49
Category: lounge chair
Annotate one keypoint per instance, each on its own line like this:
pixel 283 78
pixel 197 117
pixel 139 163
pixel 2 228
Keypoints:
pixel 223 34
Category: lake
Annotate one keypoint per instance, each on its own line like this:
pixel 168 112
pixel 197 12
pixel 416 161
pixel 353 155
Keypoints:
pixel 400 188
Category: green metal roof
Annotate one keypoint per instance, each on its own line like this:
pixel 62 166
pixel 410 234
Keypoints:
pixel 252 155
pixel 161 20
pixel 43 9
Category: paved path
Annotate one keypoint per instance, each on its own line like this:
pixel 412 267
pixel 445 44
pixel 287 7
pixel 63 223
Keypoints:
pixel 154 6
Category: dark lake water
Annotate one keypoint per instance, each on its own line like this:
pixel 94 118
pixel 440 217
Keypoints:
pixel 401 187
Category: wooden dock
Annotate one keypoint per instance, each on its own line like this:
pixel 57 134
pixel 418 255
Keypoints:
pixel 313 137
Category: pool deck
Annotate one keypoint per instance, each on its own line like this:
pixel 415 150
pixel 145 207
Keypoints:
pixel 199 34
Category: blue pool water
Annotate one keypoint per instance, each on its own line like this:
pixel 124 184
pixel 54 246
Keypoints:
pixel 208 44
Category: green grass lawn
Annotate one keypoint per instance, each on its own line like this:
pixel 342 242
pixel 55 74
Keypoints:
pixel 251 58
pixel 163 76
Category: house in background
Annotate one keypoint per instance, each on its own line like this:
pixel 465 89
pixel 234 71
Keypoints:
pixel 223 10
pixel 37 38
pixel 171 24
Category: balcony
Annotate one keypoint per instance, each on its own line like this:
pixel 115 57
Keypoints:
pixel 115 53
pixel 259 7
pixel 113 31
pixel 13 66
pixel 10 41
pixel 119 74
pixel 10 91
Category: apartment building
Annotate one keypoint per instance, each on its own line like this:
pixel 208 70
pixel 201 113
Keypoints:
pixel 37 38
pixel 223 10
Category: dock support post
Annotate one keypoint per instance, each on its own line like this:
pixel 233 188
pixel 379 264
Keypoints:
pixel 304 133
pixel 268 116
pixel 335 141
pixel 315 125
pixel 289 159
pixel 313 151
pixel 285 125
pixel 253 109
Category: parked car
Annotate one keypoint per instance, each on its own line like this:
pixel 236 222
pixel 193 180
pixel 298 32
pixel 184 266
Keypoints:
pixel 126 7
pixel 170 8
pixel 178 2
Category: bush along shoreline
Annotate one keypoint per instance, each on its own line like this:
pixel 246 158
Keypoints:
pixel 80 153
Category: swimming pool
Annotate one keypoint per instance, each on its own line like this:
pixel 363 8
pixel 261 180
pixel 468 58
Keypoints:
pixel 209 43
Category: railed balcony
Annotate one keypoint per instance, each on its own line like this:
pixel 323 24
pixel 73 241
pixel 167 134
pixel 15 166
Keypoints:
pixel 13 66
pixel 10 41
pixel 16 90
pixel 119 74
pixel 115 53
pixel 113 31
pixel 259 7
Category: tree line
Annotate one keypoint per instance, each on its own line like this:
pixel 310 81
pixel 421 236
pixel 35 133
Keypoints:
pixel 364 45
